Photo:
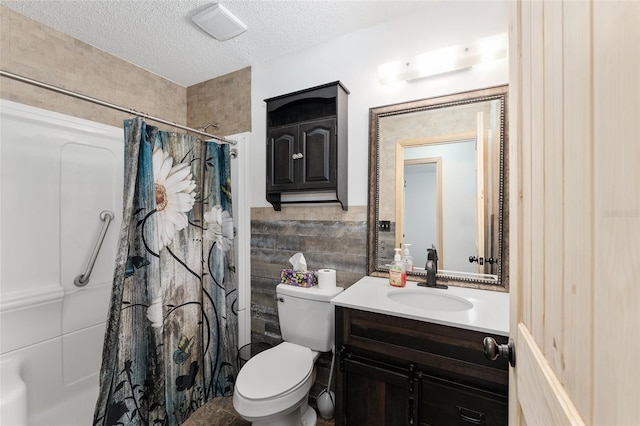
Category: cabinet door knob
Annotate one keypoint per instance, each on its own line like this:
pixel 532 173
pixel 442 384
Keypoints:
pixel 300 155
pixel 492 350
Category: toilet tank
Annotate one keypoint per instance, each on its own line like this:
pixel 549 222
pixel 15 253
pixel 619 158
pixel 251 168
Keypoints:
pixel 306 315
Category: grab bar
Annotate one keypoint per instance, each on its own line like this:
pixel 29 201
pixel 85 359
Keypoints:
pixel 81 280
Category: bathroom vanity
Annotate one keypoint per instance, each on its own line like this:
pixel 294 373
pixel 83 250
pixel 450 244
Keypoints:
pixel 414 355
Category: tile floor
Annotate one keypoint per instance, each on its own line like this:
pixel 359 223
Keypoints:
pixel 220 412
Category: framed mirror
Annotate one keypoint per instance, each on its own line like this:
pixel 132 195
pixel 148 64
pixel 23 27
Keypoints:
pixel 437 177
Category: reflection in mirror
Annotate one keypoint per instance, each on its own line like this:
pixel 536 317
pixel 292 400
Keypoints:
pixel 437 176
pixel 421 204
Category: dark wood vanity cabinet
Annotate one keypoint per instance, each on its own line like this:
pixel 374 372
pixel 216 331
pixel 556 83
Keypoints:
pixel 307 144
pixel 397 371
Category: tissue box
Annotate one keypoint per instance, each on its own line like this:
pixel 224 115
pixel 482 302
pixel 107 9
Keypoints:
pixel 297 278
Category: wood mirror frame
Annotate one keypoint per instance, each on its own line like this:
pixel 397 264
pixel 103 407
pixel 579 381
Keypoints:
pixel 376 114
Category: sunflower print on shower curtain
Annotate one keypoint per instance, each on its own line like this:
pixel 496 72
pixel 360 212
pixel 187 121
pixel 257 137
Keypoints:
pixel 171 339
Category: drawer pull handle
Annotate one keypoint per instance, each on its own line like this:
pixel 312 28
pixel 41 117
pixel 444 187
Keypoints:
pixel 471 416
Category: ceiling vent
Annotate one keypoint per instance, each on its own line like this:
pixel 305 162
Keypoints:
pixel 217 21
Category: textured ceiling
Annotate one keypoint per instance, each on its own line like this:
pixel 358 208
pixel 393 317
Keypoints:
pixel 160 37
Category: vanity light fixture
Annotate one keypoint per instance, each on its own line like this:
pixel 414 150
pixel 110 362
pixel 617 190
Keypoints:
pixel 446 60
pixel 219 23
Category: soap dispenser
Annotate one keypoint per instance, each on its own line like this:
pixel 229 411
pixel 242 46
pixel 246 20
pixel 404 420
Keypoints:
pixel 397 274
pixel 407 259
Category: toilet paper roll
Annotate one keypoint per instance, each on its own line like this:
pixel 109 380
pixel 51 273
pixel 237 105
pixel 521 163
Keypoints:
pixel 326 278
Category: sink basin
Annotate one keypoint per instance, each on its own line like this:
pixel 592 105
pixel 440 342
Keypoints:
pixel 430 300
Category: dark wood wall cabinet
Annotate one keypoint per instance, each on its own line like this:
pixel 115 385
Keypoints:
pixel 307 145
pixel 397 371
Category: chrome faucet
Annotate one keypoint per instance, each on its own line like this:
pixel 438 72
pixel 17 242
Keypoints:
pixel 432 269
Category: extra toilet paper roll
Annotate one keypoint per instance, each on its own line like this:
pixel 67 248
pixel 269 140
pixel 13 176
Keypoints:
pixel 326 278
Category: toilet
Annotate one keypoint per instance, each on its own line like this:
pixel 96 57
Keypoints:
pixel 272 388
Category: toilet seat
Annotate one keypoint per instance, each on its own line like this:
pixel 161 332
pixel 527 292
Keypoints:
pixel 275 372
pixel 274 381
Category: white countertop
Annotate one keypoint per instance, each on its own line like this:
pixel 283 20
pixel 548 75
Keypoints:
pixel 490 312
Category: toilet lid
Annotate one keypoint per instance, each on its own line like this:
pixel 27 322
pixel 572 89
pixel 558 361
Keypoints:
pixel 275 371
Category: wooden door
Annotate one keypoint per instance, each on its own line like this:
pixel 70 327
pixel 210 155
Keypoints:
pixel 575 212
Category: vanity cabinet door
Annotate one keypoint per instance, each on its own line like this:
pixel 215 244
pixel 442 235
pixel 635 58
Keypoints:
pixel 376 394
pixel 444 403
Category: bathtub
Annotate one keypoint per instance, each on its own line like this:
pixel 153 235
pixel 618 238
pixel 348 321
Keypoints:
pixel 58 173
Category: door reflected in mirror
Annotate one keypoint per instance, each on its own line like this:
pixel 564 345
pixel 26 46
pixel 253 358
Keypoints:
pixel 437 175
pixel 421 205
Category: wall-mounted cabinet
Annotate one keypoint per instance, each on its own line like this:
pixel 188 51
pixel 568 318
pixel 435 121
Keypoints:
pixel 307 146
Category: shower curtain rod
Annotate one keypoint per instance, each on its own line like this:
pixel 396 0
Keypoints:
pixel 110 105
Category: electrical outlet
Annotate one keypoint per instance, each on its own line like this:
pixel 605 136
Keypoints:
pixel 384 226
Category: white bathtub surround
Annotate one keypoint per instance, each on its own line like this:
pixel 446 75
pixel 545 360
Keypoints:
pixel 479 310
pixel 58 174
pixel 13 404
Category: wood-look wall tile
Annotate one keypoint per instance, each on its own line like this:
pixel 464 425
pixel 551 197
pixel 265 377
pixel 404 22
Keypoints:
pixel 335 244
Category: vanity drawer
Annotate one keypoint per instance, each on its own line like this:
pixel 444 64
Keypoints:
pixel 450 404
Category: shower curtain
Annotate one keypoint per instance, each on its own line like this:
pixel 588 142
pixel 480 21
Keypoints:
pixel 171 339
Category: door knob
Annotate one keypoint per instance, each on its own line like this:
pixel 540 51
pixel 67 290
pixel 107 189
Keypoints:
pixel 492 350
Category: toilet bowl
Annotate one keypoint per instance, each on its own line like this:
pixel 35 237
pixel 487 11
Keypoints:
pixel 273 387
